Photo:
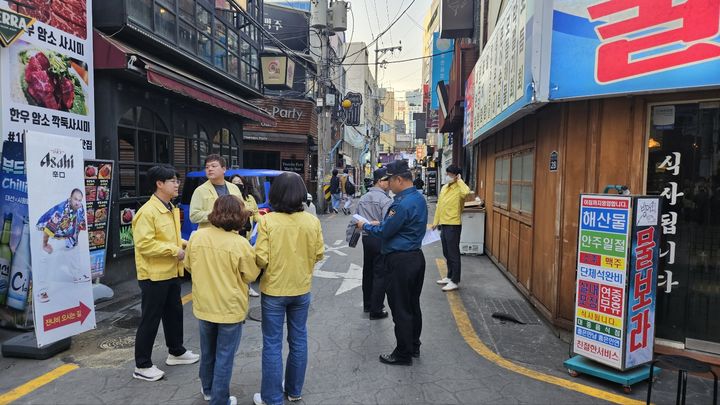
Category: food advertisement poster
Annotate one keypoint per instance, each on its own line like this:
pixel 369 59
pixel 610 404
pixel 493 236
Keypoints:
pixel 98 186
pixel 126 236
pixel 600 301
pixel 59 244
pixel 46 81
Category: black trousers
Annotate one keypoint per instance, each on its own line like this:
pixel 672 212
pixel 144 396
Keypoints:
pixel 405 273
pixel 450 238
pixel 373 278
pixel 160 301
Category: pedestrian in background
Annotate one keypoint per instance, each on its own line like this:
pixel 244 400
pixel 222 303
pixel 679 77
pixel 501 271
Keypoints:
pixel 448 217
pixel 373 206
pixel 335 192
pixel 204 196
pixel 419 183
pixel 289 243
pixel 251 205
pixel 222 264
pixel 347 185
pixel 402 232
pixel 159 254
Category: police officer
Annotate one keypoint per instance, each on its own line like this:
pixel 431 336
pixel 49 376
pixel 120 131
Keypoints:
pixel 402 232
pixel 373 206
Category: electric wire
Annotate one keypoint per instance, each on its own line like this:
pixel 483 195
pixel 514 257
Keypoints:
pixel 386 29
pixel 399 61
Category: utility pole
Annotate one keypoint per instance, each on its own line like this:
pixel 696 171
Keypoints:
pixel 375 137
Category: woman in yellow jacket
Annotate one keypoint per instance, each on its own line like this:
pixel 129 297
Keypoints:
pixel 250 205
pixel 222 264
pixel 289 243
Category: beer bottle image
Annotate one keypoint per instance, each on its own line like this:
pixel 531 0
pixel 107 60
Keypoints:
pixel 20 271
pixel 5 257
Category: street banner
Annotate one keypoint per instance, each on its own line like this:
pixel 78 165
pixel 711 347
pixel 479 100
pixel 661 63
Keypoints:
pixel 62 288
pixel 98 190
pixel 618 253
pixel 441 62
pixel 46 74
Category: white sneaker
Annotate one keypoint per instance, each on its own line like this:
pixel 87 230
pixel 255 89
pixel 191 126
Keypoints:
pixel 257 399
pixel 444 281
pixel 252 292
pixel 232 400
pixel 450 286
pixel 148 374
pixel 186 358
pixel 205 397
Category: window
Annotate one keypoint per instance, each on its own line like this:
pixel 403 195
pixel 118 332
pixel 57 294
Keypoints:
pixel 141 11
pixel 165 22
pixel 514 182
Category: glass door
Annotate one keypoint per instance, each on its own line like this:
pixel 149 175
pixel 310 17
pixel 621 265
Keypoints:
pixel 684 168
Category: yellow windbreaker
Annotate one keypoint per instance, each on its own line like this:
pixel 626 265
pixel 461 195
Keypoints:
pixel 450 203
pixel 287 247
pixel 203 199
pixel 156 233
pixel 222 264
pixel 252 206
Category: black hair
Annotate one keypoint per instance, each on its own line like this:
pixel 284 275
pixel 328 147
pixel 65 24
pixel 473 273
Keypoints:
pixel 346 170
pixel 160 173
pixel 334 172
pixel 405 175
pixel 288 193
pixel 453 169
pixel 214 157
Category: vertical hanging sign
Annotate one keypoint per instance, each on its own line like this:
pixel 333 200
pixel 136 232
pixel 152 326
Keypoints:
pixel 603 242
pixel 59 246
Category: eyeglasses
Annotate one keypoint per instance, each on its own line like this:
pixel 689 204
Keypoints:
pixel 176 181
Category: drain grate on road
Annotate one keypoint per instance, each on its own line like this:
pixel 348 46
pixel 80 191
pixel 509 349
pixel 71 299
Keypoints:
pixel 121 342
pixel 518 309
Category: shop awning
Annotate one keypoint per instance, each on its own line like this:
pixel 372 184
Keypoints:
pixel 112 54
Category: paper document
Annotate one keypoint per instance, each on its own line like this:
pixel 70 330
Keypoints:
pixel 359 218
pixel 431 236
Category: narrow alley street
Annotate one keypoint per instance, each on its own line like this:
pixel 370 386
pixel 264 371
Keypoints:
pixel 467 357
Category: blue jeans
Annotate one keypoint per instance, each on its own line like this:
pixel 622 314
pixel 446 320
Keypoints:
pixel 336 198
pixel 218 344
pixel 274 310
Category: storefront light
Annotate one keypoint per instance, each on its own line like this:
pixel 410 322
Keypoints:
pixel 653 144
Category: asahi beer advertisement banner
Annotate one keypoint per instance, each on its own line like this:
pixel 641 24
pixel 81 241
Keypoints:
pixel 603 243
pixel 98 187
pixel 59 245
pixel 46 80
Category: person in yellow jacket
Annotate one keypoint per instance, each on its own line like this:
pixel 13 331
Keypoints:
pixel 288 245
pixel 448 217
pixel 250 205
pixel 216 186
pixel 222 264
pixel 159 254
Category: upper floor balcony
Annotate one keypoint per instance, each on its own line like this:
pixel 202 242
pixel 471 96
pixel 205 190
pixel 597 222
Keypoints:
pixel 215 39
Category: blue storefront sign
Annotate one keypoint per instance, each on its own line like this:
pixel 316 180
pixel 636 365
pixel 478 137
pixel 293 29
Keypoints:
pixel 441 62
pixel 613 47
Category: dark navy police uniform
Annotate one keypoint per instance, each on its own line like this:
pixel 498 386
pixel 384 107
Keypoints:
pixel 402 232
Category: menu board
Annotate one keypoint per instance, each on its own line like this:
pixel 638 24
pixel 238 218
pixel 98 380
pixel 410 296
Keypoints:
pixel 600 301
pixel 98 189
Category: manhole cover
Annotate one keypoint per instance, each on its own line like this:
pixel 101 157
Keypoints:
pixel 255 314
pixel 122 342
pixel 129 321
pixel 519 309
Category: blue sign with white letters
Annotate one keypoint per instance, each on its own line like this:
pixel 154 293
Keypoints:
pixel 441 63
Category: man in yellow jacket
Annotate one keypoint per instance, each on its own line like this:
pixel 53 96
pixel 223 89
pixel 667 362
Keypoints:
pixel 205 195
pixel 159 254
pixel 448 217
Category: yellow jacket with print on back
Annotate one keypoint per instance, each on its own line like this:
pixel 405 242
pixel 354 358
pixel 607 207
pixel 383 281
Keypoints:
pixel 450 203
pixel 203 199
pixel 222 264
pixel 156 234
pixel 287 247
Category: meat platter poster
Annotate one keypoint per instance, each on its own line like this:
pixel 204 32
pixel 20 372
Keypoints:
pixel 46 75
pixel 98 186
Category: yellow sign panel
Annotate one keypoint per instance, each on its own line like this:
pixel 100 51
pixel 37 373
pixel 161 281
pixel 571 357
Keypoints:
pixel 599 318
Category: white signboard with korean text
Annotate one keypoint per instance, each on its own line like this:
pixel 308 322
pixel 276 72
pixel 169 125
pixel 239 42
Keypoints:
pixel 59 244
pixel 46 75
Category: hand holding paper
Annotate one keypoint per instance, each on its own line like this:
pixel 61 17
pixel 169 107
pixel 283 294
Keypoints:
pixel 431 236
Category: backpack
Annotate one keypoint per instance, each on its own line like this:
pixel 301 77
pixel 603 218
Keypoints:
pixel 350 188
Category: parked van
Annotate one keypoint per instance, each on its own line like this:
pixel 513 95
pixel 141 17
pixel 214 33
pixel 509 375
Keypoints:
pixel 261 179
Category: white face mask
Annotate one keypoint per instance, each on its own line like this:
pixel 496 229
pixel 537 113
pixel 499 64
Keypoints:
pixel 449 179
